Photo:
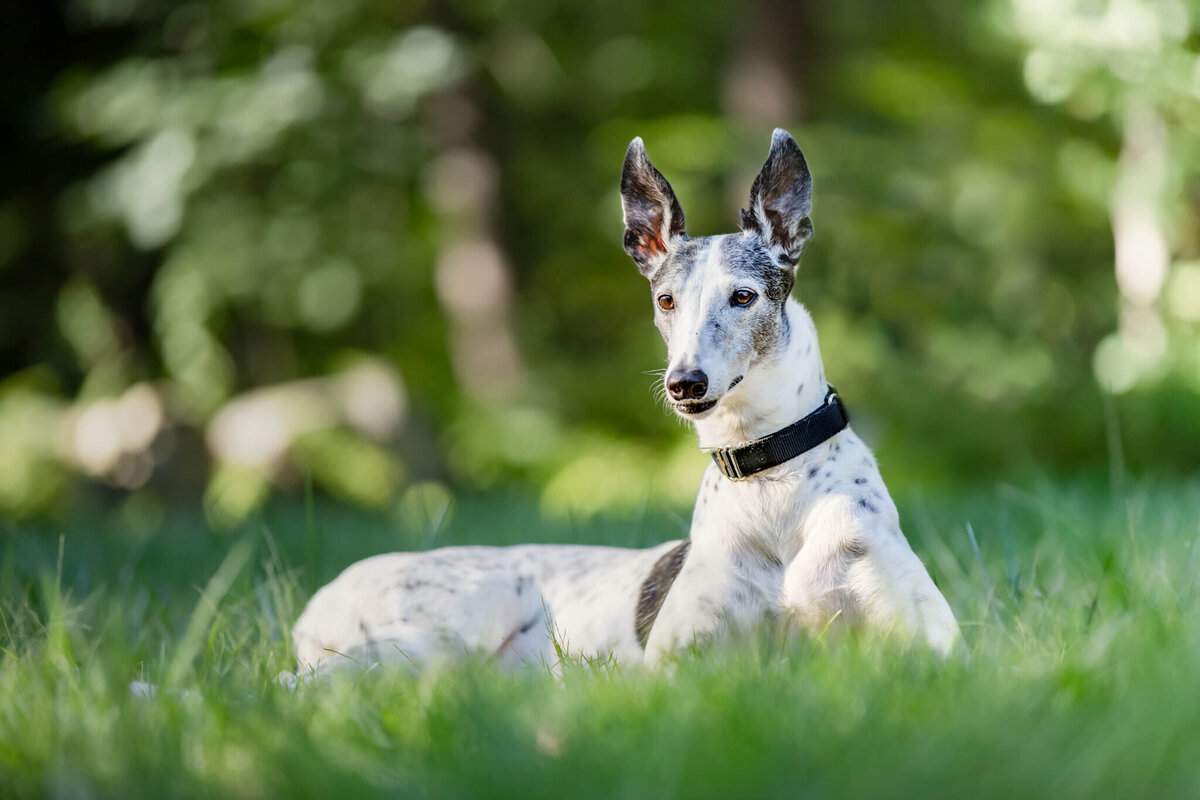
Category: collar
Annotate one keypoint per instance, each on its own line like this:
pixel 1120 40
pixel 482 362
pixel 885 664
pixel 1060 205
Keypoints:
pixel 739 463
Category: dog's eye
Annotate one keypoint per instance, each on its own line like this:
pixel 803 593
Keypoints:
pixel 666 302
pixel 743 297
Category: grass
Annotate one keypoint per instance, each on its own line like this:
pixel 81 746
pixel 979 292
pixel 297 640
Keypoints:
pixel 1081 611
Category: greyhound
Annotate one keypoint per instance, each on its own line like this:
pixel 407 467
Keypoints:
pixel 792 518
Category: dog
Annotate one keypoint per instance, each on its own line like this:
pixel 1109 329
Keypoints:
pixel 792 518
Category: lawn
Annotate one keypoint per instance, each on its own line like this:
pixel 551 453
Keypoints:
pixel 1079 606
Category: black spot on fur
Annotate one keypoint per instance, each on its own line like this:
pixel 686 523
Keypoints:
pixel 654 589
pixel 860 481
pixel 866 504
pixel 812 473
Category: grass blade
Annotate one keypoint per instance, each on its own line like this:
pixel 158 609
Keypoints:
pixel 210 599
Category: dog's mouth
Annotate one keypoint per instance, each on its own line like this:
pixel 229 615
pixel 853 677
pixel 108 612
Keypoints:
pixel 694 408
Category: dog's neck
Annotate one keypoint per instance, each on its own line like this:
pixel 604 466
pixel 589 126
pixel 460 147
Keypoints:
pixel 781 388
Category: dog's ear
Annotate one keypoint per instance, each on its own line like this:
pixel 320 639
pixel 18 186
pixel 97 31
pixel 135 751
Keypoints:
pixel 652 214
pixel 781 200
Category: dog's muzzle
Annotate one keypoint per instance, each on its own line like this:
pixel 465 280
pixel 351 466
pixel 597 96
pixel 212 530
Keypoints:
pixel 693 409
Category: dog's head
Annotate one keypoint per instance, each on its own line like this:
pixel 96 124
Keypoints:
pixel 718 300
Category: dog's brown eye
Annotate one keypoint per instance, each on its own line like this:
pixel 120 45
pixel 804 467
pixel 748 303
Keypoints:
pixel 743 297
pixel 666 302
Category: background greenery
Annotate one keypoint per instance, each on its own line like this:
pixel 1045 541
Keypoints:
pixel 201 200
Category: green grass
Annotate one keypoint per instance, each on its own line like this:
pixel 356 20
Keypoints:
pixel 1081 612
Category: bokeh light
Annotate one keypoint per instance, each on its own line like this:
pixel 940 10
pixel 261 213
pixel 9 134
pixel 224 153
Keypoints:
pixel 248 248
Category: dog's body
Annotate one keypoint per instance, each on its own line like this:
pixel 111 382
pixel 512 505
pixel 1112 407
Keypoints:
pixel 814 538
pixel 501 601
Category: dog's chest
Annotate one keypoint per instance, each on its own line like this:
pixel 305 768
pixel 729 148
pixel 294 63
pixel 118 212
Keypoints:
pixel 760 525
pixel 759 515
pixel 750 526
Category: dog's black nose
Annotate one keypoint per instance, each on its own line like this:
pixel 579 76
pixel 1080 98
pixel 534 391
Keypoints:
pixel 687 385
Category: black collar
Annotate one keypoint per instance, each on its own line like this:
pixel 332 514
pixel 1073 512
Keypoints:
pixel 738 463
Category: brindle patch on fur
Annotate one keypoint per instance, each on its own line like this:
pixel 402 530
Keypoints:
pixel 679 264
pixel 746 257
pixel 654 589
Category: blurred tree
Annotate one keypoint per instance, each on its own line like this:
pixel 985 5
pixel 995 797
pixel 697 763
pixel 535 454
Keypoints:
pixel 1133 66
pixel 211 197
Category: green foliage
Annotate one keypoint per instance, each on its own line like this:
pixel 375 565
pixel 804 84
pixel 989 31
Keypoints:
pixel 250 194
pixel 1079 610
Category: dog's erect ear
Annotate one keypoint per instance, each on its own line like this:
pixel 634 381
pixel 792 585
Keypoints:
pixel 781 200
pixel 652 214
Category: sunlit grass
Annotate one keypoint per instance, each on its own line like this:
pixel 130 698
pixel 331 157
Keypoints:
pixel 1080 612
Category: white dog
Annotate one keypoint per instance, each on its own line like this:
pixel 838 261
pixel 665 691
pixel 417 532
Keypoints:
pixel 792 519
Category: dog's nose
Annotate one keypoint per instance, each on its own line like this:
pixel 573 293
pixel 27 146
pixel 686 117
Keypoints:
pixel 687 385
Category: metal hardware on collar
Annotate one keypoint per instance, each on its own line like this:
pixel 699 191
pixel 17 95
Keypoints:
pixel 727 464
pixel 739 463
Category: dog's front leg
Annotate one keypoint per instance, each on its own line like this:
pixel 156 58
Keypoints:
pixel 694 611
pixel 896 589
pixel 876 580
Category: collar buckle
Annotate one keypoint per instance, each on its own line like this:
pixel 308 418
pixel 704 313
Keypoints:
pixel 744 462
pixel 726 461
